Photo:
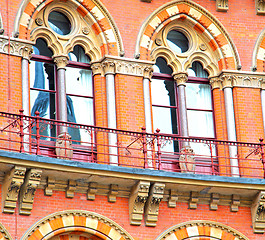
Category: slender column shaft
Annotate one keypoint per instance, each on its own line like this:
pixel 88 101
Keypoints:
pixel 25 86
pixel 231 130
pixel 183 111
pixel 147 105
pixel 111 112
pixel 263 106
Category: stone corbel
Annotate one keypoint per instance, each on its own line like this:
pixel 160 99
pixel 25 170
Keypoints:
pixel 138 197
pixel 113 192
pixel 61 61
pixel 152 204
pixel 70 191
pixel 235 203
pixel 28 189
pixel 180 78
pixel 258 213
pixel 11 186
pixel 260 7
pixel 173 198
pixel 91 191
pixel 214 201
pixel 221 5
pixel 109 67
pixel 193 200
pixel 48 191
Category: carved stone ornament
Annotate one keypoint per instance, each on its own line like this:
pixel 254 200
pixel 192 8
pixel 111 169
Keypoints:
pixel 173 198
pixel 39 21
pixel 63 146
pixel 11 186
pixel 180 78
pixel 221 5
pixel 258 213
pixel 193 200
pixel 138 197
pixel 92 190
pixel 152 204
pixel 187 160
pixel 113 192
pixel 260 7
pixel 61 61
pixel 18 47
pixel 86 30
pixel 28 189
pixel 70 191
pixel 48 191
pixel 235 203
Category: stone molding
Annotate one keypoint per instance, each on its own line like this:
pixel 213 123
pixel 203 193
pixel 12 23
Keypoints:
pixel 11 187
pixel 28 189
pixel 258 213
pixel 152 204
pixel 18 47
pixel 126 66
pixel 238 79
pixel 214 230
pixel 137 199
pixel 260 7
pixel 75 218
pixel 221 5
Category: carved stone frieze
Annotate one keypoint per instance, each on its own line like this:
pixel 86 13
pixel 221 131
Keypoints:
pixel 48 191
pixel 258 213
pixel 214 201
pixel 260 7
pixel 28 189
pixel 235 203
pixel 152 204
pixel 193 200
pixel 70 191
pixel 138 197
pixel 173 198
pixel 16 47
pixel 92 190
pixel 222 5
pixel 180 78
pixel 11 186
pixel 113 192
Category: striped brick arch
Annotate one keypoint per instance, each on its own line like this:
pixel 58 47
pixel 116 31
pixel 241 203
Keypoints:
pixel 202 21
pixel 76 225
pixel 201 230
pixel 258 58
pixel 4 235
pixel 103 24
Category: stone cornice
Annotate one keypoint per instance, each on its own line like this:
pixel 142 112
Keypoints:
pixel 18 47
pixel 238 79
pixel 120 65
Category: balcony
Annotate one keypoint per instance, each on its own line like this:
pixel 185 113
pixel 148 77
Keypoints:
pixel 172 153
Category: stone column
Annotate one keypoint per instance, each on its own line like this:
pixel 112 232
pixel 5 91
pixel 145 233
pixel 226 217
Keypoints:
pixel 230 123
pixel 263 102
pixel 109 71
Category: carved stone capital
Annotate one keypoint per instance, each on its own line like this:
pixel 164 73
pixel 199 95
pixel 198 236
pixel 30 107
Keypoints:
pixel 26 52
pixel 227 80
pixel 96 68
pixel 61 61
pixel 148 72
pixel 260 7
pixel 258 213
pixel 109 67
pixel 138 197
pixel 216 82
pixel 11 186
pixel 70 191
pixel 92 190
pixel 28 189
pixel 173 198
pixel 221 5
pixel 180 78
pixel 152 204
pixel 235 203
pixel 193 200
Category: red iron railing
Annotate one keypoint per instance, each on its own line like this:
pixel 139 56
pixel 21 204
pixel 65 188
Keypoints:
pixel 158 151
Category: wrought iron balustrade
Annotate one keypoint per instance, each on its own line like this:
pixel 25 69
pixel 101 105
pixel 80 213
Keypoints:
pixel 137 149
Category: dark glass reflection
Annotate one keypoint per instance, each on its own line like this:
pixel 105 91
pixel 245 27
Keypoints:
pixel 177 41
pixel 197 70
pixel 59 23
pixel 162 67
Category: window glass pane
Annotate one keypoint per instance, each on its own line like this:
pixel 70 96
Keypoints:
pixel 59 23
pixel 163 92
pixel 197 70
pixel 79 81
pixel 162 67
pixel 177 41
pixel 198 96
pixel 41 48
pixel 200 124
pixel 78 55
